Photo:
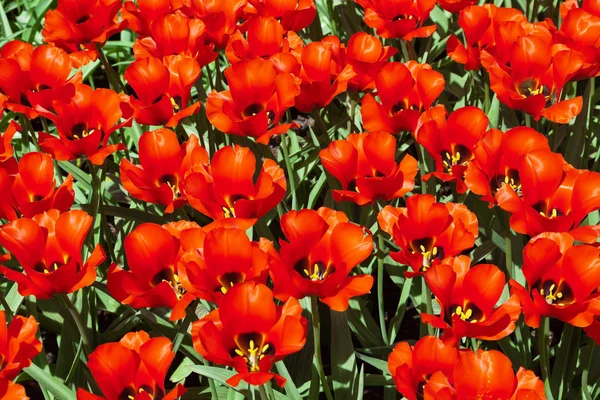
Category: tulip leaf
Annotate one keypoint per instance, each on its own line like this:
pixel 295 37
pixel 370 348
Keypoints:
pixel 290 386
pixel 343 362
pixel 48 382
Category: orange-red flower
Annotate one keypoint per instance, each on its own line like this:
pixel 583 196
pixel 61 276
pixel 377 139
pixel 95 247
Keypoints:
pixel 7 162
pixel 451 142
pixel 412 367
pixel 468 298
pixel 562 280
pixel 401 19
pixel 48 248
pixel 220 17
pixel 85 125
pixel 263 37
pixel 12 391
pixel 366 168
pixel 405 91
pixel 293 14
pixel 490 375
pixel 174 35
pixel 31 77
pixel 77 26
pixel 213 262
pixel 227 189
pixel 367 55
pixel 454 6
pixel 323 74
pixel 133 368
pixel 580 31
pixel 33 189
pixel 321 250
pixel 555 197
pixel 256 100
pixel 141 15
pixel 250 333
pixel 162 91
pixel 480 24
pixel 497 159
pixel 534 74
pixel 428 232
pixel 18 345
pixel 151 280
pixel 163 165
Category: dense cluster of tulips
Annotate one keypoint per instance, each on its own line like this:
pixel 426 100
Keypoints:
pixel 189 187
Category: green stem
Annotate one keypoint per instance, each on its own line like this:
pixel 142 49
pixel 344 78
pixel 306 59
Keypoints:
pixel 263 393
pixel 380 301
pixel 544 348
pixel 586 372
pixel 426 306
pixel 78 322
pixel 111 74
pixel 510 268
pixel 314 307
pixel 290 170
pixel 7 310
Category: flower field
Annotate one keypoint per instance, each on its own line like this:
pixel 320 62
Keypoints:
pixel 299 199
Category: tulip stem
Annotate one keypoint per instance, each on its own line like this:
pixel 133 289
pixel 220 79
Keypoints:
pixel 263 393
pixel 508 249
pixel 290 170
pixel 544 348
pixel 78 322
pixel 380 302
pixel 111 74
pixel 314 308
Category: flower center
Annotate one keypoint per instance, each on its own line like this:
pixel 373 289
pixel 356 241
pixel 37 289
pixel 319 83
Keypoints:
pixel 251 347
pixel 428 250
pixel 459 156
pixel 557 294
pixel 466 314
pixel 228 279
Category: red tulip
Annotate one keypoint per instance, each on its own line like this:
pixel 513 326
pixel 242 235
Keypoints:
pixel 33 189
pixel 454 6
pixel 133 368
pixel 536 74
pixel 176 35
pixel 367 55
pixel 85 125
pixel 294 15
pixel 162 90
pixel 256 100
pixel 151 280
pixel 250 333
pixel 401 19
pixel 321 250
pixel 77 26
pixel 220 17
pixel 365 166
pixel 562 280
pixel 31 77
pixel 140 17
pixel 227 191
pixel 428 232
pixel 405 91
pixel 412 367
pixel 18 345
pixel 48 247
pixel 451 143
pixel 12 391
pixel 7 162
pixel 163 165
pixel 323 76
pixel 213 262
pixel 468 298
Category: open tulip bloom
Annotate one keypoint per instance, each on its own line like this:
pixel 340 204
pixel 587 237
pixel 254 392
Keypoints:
pixel 299 199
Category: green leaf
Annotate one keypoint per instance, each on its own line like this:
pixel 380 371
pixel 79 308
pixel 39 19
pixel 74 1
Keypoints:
pixel 290 386
pixel 48 382
pixel 217 374
pixel 375 362
pixel 343 361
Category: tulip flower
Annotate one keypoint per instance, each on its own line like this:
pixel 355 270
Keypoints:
pixel 321 250
pixel 428 232
pixel 18 345
pixel 405 91
pixel 133 368
pixel 294 15
pixel 365 166
pixel 227 191
pixel 48 248
pixel 163 165
pixel 250 333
